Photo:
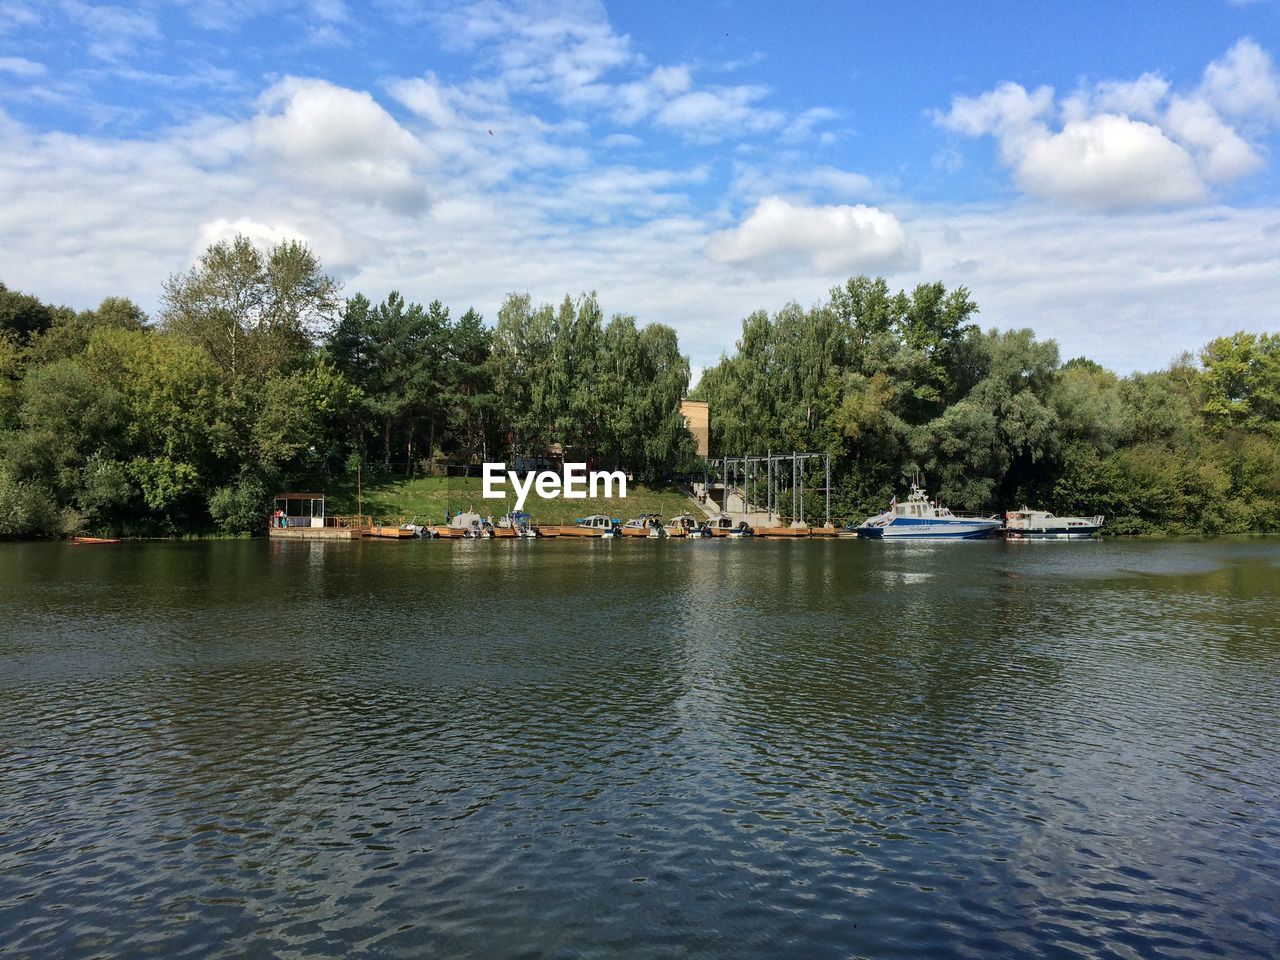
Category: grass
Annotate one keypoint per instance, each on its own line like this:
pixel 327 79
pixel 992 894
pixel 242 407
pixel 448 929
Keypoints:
pixel 427 499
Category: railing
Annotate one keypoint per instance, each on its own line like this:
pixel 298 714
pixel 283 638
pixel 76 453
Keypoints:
pixel 336 521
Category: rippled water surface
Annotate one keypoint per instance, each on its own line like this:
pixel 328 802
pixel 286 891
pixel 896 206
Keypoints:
pixel 572 749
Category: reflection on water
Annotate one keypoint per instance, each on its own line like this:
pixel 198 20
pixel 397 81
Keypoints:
pixel 817 749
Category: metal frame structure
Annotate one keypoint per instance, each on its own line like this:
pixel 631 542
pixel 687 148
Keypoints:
pixel 749 467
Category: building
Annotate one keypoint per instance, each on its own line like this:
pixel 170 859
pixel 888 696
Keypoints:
pixel 697 417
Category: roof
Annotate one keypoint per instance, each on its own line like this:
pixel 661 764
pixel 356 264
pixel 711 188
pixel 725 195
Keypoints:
pixel 298 496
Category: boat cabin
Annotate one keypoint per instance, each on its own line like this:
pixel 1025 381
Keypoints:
pixel 297 510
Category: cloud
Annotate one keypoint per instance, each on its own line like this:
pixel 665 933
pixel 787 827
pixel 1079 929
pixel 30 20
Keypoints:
pixel 262 235
pixel 1128 144
pixel 570 52
pixel 1109 162
pixel 341 139
pixel 717 112
pixel 113 33
pixel 1244 83
pixel 1131 291
pixel 778 234
pixel 21 67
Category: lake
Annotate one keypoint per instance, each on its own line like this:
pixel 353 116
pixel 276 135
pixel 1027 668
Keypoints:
pixel 817 749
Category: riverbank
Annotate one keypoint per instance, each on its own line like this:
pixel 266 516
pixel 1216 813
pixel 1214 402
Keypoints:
pixel 428 498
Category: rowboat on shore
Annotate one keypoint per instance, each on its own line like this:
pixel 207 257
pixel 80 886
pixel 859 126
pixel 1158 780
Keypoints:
pixel 91 540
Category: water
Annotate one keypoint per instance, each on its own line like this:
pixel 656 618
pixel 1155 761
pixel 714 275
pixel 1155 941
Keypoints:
pixel 571 749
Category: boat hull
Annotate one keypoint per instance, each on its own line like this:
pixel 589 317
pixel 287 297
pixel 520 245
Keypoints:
pixel 1073 533
pixel 952 530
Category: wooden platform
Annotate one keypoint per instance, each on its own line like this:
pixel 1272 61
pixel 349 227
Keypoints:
pixel 316 533
pixel 390 533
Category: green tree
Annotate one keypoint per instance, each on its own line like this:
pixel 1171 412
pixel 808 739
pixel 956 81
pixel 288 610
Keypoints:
pixel 253 313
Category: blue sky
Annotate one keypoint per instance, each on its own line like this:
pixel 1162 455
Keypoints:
pixel 1102 173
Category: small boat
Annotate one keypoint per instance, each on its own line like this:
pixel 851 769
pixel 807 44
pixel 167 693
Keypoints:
pixel 685 525
pixel 916 518
pixel 466 525
pixel 92 540
pixel 517 524
pixel 741 531
pixel 719 526
pixel 596 525
pixel 649 525
pixel 1028 524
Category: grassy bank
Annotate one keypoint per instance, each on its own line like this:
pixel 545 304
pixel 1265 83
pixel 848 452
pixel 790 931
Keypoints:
pixel 428 498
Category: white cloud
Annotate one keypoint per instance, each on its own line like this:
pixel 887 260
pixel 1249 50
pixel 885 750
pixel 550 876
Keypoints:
pixel 341 139
pixel 21 67
pixel 262 235
pixel 1131 291
pixel 1244 83
pixel 113 32
pixel 780 235
pixel 1126 144
pixel 1109 162
pixel 717 112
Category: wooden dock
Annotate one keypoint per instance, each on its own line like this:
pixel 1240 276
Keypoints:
pixel 316 533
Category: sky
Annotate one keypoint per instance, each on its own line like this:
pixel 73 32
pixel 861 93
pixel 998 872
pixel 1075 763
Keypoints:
pixel 1103 173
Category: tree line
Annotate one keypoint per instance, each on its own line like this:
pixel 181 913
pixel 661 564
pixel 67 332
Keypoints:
pixel 257 375
pixel 895 383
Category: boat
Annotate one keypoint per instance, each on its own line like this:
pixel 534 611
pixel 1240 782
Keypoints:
pixel 516 524
pixel 649 525
pixel 1028 524
pixel 686 525
pixel 917 518
pixel 596 525
pixel 741 531
pixel 465 525
pixel 90 540
pixel 719 526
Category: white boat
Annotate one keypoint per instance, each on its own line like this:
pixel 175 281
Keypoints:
pixel 685 525
pixel 596 525
pixel 1028 524
pixel 918 518
pixel 650 525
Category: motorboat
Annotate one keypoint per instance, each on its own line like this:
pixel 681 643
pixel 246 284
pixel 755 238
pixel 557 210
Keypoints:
pixel 465 525
pixel 919 518
pixel 1028 524
pixel 685 525
pixel 518 524
pixel 596 525
pixel 719 526
pixel 649 525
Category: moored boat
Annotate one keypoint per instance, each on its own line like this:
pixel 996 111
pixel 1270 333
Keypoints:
pixel 1028 524
pixel 649 525
pixel 687 525
pixel 596 525
pixel 917 518
pixel 465 525
pixel 719 526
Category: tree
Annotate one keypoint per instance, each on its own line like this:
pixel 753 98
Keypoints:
pixel 255 314
pixel 22 315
